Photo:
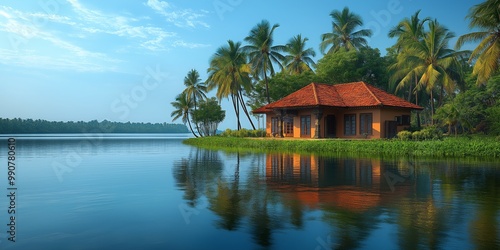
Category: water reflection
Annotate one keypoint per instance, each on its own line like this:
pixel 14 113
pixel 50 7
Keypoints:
pixel 406 203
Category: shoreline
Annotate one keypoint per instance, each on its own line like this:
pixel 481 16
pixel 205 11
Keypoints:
pixel 487 148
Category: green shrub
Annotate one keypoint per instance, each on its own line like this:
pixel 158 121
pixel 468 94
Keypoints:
pixel 428 133
pixel 243 133
pixel 404 135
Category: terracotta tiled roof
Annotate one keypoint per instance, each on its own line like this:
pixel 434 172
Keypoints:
pixel 347 95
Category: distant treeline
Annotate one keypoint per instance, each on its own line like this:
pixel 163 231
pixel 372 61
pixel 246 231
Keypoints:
pixel 27 126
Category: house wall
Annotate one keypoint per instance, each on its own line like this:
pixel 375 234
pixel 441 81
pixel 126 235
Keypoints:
pixel 379 116
pixel 377 125
pixel 389 114
pixel 268 124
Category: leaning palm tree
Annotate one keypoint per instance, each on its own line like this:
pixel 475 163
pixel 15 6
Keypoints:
pixel 431 61
pixel 182 107
pixel 299 58
pixel 195 89
pixel 344 33
pixel 484 17
pixel 229 72
pixel 262 52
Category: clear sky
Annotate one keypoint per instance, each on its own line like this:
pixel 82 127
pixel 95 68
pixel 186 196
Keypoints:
pixel 73 60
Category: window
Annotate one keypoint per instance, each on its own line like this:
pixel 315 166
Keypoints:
pixel 405 120
pixel 350 124
pixel 274 125
pixel 288 125
pixel 398 120
pixel 402 120
pixel 366 124
pixel 305 125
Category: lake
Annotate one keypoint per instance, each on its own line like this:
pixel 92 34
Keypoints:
pixel 153 192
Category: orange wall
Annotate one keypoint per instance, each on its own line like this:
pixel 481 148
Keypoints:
pixel 379 117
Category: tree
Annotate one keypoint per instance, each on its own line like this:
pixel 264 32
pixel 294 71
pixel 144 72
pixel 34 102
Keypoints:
pixel 195 89
pixel 281 85
pixel 229 72
pixel 431 61
pixel 299 58
pixel 344 33
pixel 484 17
pixel 350 66
pixel 208 116
pixel 182 109
pixel 408 31
pixel 262 53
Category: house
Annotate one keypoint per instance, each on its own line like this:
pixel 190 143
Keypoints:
pixel 350 110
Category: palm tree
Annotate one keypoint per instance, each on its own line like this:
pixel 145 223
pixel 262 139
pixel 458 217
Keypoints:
pixel 408 31
pixel 262 53
pixel 299 58
pixel 195 89
pixel 344 32
pixel 484 17
pixel 430 60
pixel 229 72
pixel 182 107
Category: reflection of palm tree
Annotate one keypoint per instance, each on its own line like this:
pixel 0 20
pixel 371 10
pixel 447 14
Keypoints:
pixel 261 223
pixel 228 202
pixel 351 227
pixel 196 175
pixel 484 228
pixel 421 224
pixel 183 177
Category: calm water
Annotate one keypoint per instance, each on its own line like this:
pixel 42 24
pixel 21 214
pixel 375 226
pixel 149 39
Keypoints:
pixel 153 192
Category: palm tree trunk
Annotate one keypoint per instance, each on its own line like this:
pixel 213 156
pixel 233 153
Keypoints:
pixel 190 127
pixel 416 102
pixel 236 111
pixel 440 103
pixel 196 124
pixel 432 108
pixel 267 88
pixel 245 109
pixel 409 92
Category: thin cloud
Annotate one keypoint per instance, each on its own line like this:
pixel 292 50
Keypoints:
pixel 179 17
pixel 23 29
pixel 32 59
pixel 98 22
pixel 32 40
pixel 180 43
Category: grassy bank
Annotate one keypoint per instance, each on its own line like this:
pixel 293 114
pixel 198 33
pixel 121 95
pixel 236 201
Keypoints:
pixel 484 147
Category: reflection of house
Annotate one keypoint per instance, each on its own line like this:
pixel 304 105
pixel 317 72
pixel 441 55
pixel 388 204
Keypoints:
pixel 351 110
pixel 353 184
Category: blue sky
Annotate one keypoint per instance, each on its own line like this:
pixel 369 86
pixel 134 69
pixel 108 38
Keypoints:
pixel 65 60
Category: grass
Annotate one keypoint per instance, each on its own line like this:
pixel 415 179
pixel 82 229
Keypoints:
pixel 477 146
